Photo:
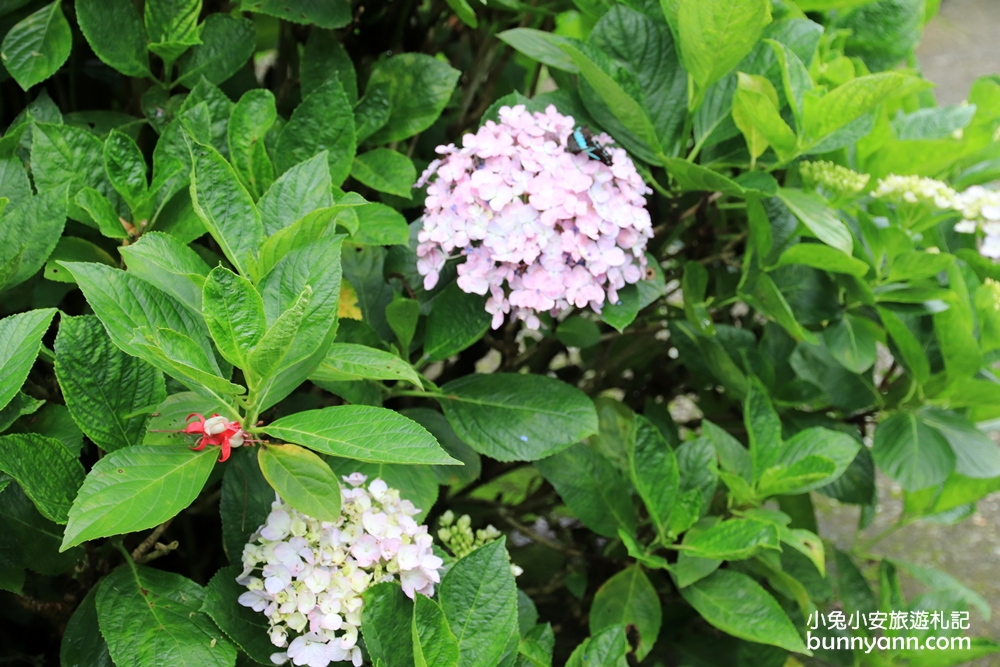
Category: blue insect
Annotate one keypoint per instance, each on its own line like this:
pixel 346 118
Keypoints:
pixel 582 141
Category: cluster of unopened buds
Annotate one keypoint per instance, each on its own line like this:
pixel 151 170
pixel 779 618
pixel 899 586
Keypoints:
pixel 308 576
pixel 840 182
pixel 460 539
pixel 217 431
pixel 546 216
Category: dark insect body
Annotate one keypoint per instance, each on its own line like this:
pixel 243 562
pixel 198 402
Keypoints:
pixel 581 140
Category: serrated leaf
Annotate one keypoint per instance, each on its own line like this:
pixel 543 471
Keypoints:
pixel 302 479
pixel 628 598
pixel 715 35
pixel 246 627
pixel 172 26
pixel 819 218
pixel 513 417
pixel 37 46
pixel 324 56
pixel 419 87
pixel 82 644
pixel 48 472
pixel 324 13
pixel 151 617
pixel 251 119
pixel 103 386
pixel 270 352
pixel 30 233
pixel 303 189
pixel 226 45
pixel 102 212
pixel 20 340
pixel 911 452
pixel 234 314
pixel 167 263
pixel 653 468
pixel 126 168
pixel 479 600
pixel 386 618
pixel 323 121
pixel 346 362
pixel 386 171
pixel 136 488
pixel 734 539
pixel 361 432
pixel 73 249
pixel 434 644
pixel 115 33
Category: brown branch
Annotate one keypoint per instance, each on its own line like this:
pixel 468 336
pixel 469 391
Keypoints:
pixel 150 541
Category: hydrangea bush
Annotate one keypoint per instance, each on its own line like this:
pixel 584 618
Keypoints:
pixel 674 276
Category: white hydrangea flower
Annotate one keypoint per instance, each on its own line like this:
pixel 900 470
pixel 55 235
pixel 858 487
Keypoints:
pixel 915 190
pixel 308 576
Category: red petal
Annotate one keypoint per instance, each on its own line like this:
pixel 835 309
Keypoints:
pixel 225 451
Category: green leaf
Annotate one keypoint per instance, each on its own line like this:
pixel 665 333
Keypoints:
pixel 126 168
pixel 73 249
pixel 756 113
pixel 593 488
pixel 172 266
pixel 419 88
pixel 226 45
pixel 14 179
pixel 21 404
pixel 835 446
pixel 402 316
pixel 578 332
pixel 813 212
pixel 136 488
pixel 851 341
pixel 823 257
pixel 324 56
pixel 213 130
pixel 434 644
pixel 953 328
pixel 911 452
pixel 37 46
pixel 464 11
pixel 715 35
pixel 694 177
pixel 917 264
pixel 20 340
pixel 48 473
pixel 457 320
pixel 82 644
pixel 628 598
pixel 512 417
pixel 689 569
pixel 737 605
pixel 852 586
pixel 302 190
pixel 698 469
pixel 346 362
pixel 541 46
pixel 173 27
pixel 386 171
pixel 605 649
pixel 479 600
pixel 449 475
pixel 115 33
pixel 225 207
pixel 267 357
pixel 734 539
pixel 234 314
pixel 763 428
pixel 302 479
pixel 847 103
pixel 63 154
pixel 653 468
pixel 32 541
pixel 30 233
pixel 154 617
pixel 322 122
pixel 621 314
pixel 386 619
pixel 379 224
pixel 323 13
pixel 911 350
pixel 316 264
pixel 976 455
pixel 103 387
pixel 246 627
pixel 246 501
pixel 102 212
pixel 251 119
pixel 806 473
pixel 361 432
pixel 733 456
pixel 372 111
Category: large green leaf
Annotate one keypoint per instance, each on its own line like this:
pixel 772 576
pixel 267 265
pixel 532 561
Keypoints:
pixel 419 87
pixel 823 257
pixel 152 617
pixel 268 356
pixel 115 32
pixel 323 56
pixel 172 26
pixel 29 234
pixel 763 428
pixel 851 341
pixel 628 598
pixel 361 432
pixel 835 446
pixel 322 122
pixel 593 488
pixel 47 471
pixel 738 605
pixel 605 649
pixel 20 340
pixel 434 644
pixel 224 205
pixel 302 479
pixel 323 13
pixel 62 154
pixel 301 190
pixel 756 113
pixel 457 321
pixel 653 468
pixel 479 600
pixel 911 452
pixel 513 417
pixel 136 488
pixel 734 539
pixel 386 171
pixel 847 103
pixel 541 46
pixel 226 45
pixel 813 211
pixel 346 362
pixel 167 263
pixel 386 619
pixel 36 47
pixel 104 388
pixel 246 627
pixel 234 314
pixel 448 475
pixel 82 644
pixel 976 455
pixel 126 168
pixel 715 35
pixel 251 119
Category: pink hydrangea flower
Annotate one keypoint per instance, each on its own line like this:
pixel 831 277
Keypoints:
pixel 541 229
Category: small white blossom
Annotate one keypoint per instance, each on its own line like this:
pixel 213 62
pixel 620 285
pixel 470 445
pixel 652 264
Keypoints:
pixel 308 576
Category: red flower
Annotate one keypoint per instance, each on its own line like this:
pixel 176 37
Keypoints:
pixel 217 431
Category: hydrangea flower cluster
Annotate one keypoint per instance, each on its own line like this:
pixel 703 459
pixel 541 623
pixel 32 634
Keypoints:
pixel 307 576
pixel 838 181
pixel 542 228
pixel 915 190
pixel 980 208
